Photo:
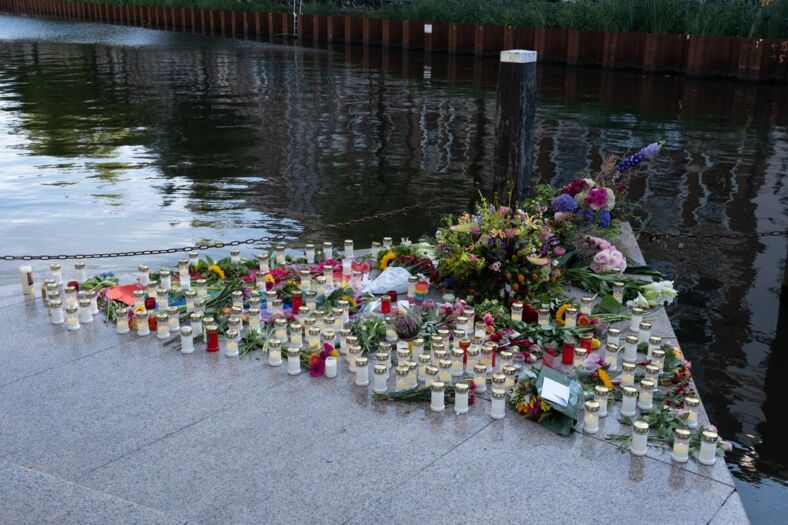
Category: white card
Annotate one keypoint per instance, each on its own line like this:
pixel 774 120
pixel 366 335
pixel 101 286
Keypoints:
pixel 555 392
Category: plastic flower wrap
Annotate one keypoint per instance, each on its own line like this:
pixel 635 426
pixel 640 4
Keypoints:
pixel 654 294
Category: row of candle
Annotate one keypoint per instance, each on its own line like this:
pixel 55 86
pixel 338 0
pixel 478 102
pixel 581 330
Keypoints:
pixel 681 443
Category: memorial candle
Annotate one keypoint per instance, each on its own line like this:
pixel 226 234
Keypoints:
pixel 432 375
pixel 630 348
pixel 374 250
pixel 162 299
pixel 601 394
pixel 499 382
pixel 480 378
pixel 280 255
pixel 570 317
pixel 461 398
pixel 165 279
pixel 424 362
pixel 385 305
pixel 708 447
pixel 194 259
pixel 187 341
pixel 72 318
pixel 691 405
pixel 568 352
pixel 305 280
pixel 646 395
pixel 644 332
pixel 139 298
pixel 343 335
pixel 658 359
pixel 628 374
pixel 309 253
pixel 143 274
pixel 652 373
pixel 195 320
pixel 275 352
pixel 613 335
pixel 611 356
pixel 254 319
pixel 141 320
pixel 92 296
pixel 380 382
pixel 56 315
pixel 293 361
pixel 591 417
pixel 618 292
pixel 328 251
pixel 79 268
pixel 412 280
pixel 235 256
pixel 457 366
pixel 353 353
pixel 57 273
pixel 585 305
pixel 231 343
pixel 85 311
pixel 629 401
pixel 543 316
pixel 262 263
pixel 681 438
pixel 173 319
pixel 189 295
pixel 26 278
pixel 437 396
pixel 636 317
pixel 162 326
pixel 212 338
pixel 639 438
pixel 517 312
pixel 183 274
pixel 654 343
pixel 510 372
pixel 295 333
pixel 362 371
pixel 444 370
pixel 580 356
pixel 349 254
pixel 313 337
pixel 402 381
pixel 498 404
pixel 201 287
pixel 331 367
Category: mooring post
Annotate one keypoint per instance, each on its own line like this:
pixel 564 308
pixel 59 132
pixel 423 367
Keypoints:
pixel 514 123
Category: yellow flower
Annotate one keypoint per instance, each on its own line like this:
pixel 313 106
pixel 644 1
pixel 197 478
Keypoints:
pixel 269 278
pixel 349 299
pixel 605 379
pixel 386 260
pixel 560 313
pixel 544 405
pixel 334 354
pixel 595 343
pixel 139 309
pixel 218 271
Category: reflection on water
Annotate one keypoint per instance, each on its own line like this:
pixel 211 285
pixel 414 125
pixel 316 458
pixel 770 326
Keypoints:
pixel 119 138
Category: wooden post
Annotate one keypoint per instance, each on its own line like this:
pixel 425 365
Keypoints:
pixel 514 123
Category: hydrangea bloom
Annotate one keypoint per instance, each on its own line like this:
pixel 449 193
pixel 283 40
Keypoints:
pixel 596 198
pixel 605 218
pixel 574 187
pixel 564 203
pixel 609 260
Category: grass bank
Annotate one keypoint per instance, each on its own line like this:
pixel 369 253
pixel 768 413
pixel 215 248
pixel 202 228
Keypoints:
pixel 746 18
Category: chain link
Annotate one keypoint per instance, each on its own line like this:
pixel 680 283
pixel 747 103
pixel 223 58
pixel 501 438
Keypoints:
pixel 210 245
pixel 658 236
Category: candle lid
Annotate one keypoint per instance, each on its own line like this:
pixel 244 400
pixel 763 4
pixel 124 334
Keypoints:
pixel 637 311
pixel 79 265
pixel 161 316
pixel 413 279
pixel 626 366
pixel 212 328
pixel 480 369
pixel 207 320
pixel 592 406
pixel 612 347
pixel 383 356
pixel 457 352
pixel 293 351
pixel 645 325
pixel 682 433
pixel 509 370
pixel 254 312
pixel 601 391
pixel 231 333
pixel 571 310
pixel 647 383
pixel 517 306
pixel 402 370
pixel 498 393
pixel 412 364
pixel 506 355
pixel 473 351
pixel 444 363
pixel 274 344
pixel 498 378
pixel 354 349
pixel 580 351
pixel 55 303
pixel 431 370
pixel 71 309
pixel 586 300
pixel 164 272
pixel 640 427
pixel 361 361
pixel 161 291
pixel 613 331
pixel 709 436
pixel 381 369
pixel 84 302
pixel 631 339
pixel 691 401
pixel 424 358
pixel 658 353
pixel 186 331
pixel 190 294
pixel 196 316
pixel 630 391
pixel 462 388
pixel 652 369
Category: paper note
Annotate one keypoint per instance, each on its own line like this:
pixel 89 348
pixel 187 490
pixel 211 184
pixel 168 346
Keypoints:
pixel 555 392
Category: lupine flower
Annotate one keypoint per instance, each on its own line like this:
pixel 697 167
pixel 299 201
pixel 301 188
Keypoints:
pixel 633 160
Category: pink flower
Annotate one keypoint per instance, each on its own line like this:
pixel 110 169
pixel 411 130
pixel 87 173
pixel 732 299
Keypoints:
pixel 597 243
pixel 596 198
pixel 510 233
pixel 472 259
pixel 609 260
pixel 559 251
pixel 487 318
pixel 475 230
pixel 726 446
pixel 496 266
pixel 318 368
pixel 503 210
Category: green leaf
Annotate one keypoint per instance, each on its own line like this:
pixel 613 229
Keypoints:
pixel 608 305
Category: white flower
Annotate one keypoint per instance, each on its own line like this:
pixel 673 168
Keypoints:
pixel 611 199
pixel 638 301
pixel 655 294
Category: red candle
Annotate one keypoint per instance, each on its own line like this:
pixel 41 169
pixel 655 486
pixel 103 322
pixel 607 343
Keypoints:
pixel 385 304
pixel 296 303
pixel 75 284
pixel 152 323
pixel 150 303
pixel 586 340
pixel 393 295
pixel 568 352
pixel 213 339
pixel 464 344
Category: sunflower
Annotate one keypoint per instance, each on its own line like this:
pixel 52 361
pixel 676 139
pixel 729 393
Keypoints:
pixel 560 313
pixel 218 271
pixel 350 300
pixel 386 260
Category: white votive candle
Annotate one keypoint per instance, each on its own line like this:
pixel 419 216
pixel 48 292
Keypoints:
pixel 461 398
pixel 274 352
pixel 309 253
pixel 280 255
pixel 173 319
pixel 498 403
pixel 331 367
pixel 56 315
pixel 629 401
pixel 162 326
pixel 143 274
pixel 646 395
pixel 613 336
pixel 591 417
pixel 437 389
pixel 196 323
pixel 85 311
pixel 601 394
pixel 402 381
pixel 349 254
pixel 362 371
pixel 691 404
pixel 639 438
pixel 235 256
pixel 165 279
pixel 293 361
pixel 81 272
pixel 708 447
pixel 480 378
pixel 628 374
pixel 328 251
pixel 517 312
pixel 231 343
pixel 644 332
pixel 631 348
pixel 141 319
pixel 72 317
pixel 187 341
pixel 681 438
pixel 636 317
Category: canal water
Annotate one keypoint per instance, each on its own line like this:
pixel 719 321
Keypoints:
pixel 116 139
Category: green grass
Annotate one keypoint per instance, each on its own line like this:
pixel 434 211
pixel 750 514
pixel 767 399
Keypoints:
pixel 748 18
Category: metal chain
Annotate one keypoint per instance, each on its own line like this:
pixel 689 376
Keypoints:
pixel 209 245
pixel 657 236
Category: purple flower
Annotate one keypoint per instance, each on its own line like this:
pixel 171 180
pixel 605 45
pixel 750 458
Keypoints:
pixel 564 203
pixel 605 218
pixel 633 160
pixel 596 198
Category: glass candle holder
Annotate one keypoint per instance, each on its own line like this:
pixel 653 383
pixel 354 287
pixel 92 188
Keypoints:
pixel 646 395
pixel 351 340
pixel 474 354
pixel 510 373
pixel 586 303
pixel 189 296
pixel 345 306
pixel 295 334
pixel 629 401
pixel 183 274
pixel 328 274
pixel 658 359
pixel 305 280
pixel 280 329
pixel 348 254
pixel 173 319
pixel 195 319
pixel 681 439
pixel 85 311
pixel 238 298
pixel 432 375
pixel 412 280
pixel 499 382
pixel 644 332
pixel 570 317
pixel 506 357
pixel 437 396
pixel 194 259
pixel 26 278
pixel 424 361
pixel 72 318
pixel 70 295
pixel 331 367
pixel 461 398
pixel 498 404
pixel 652 373
pixel 165 279
pixel 568 352
pixel 162 326
pixel 456 337
pixel 138 295
pixel 691 405
pixel 279 255
pixel 231 343
pixel 187 340
pixel 387 242
pixel 444 370
pixel 343 335
pixel 654 343
pixel 259 281
pixel 417 348
pixel 162 299
pixel 380 382
pixel 207 321
pixel 254 319
pixel 143 274
pixel 328 251
pixel 487 351
pixel 438 353
pixel 618 292
pixel 311 301
pixel 480 378
pixel 141 320
pixel 579 357
pixel 56 315
pixel 122 320
pixel 235 256
pixel 517 312
pixel 636 317
pixel 275 352
pixel 276 305
pixel 374 250
pixel 708 447
pixel 385 305
pixel 413 370
pixel 480 329
pixel 309 253
pixel 48 287
pixel 313 337
pixel 320 285
pixel 293 361
pixel 212 338
pixel 611 356
pixel 57 273
pixel 362 371
pixel 353 353
pixel 543 316
pixel 403 354
pixel 591 417
pixel 470 313
pixel 81 273
pixel 270 297
pixel 630 348
pixel 639 438
pixel 201 287
pixel 628 373
pixel 613 336
pixel 457 366
pixel 402 379
pixel 235 323
pixel 262 263
pixel 92 296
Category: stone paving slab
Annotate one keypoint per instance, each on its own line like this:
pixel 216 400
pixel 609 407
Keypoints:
pixel 28 496
pixel 731 513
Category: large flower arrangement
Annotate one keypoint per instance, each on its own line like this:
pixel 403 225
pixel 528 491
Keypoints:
pixel 499 252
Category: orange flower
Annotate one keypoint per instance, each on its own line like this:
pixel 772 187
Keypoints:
pixel 603 375
pixel 313 358
pixel 516 286
pixel 521 277
pixel 583 321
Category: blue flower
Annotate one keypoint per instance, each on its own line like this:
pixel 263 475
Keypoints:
pixel 633 160
pixel 605 218
pixel 564 203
